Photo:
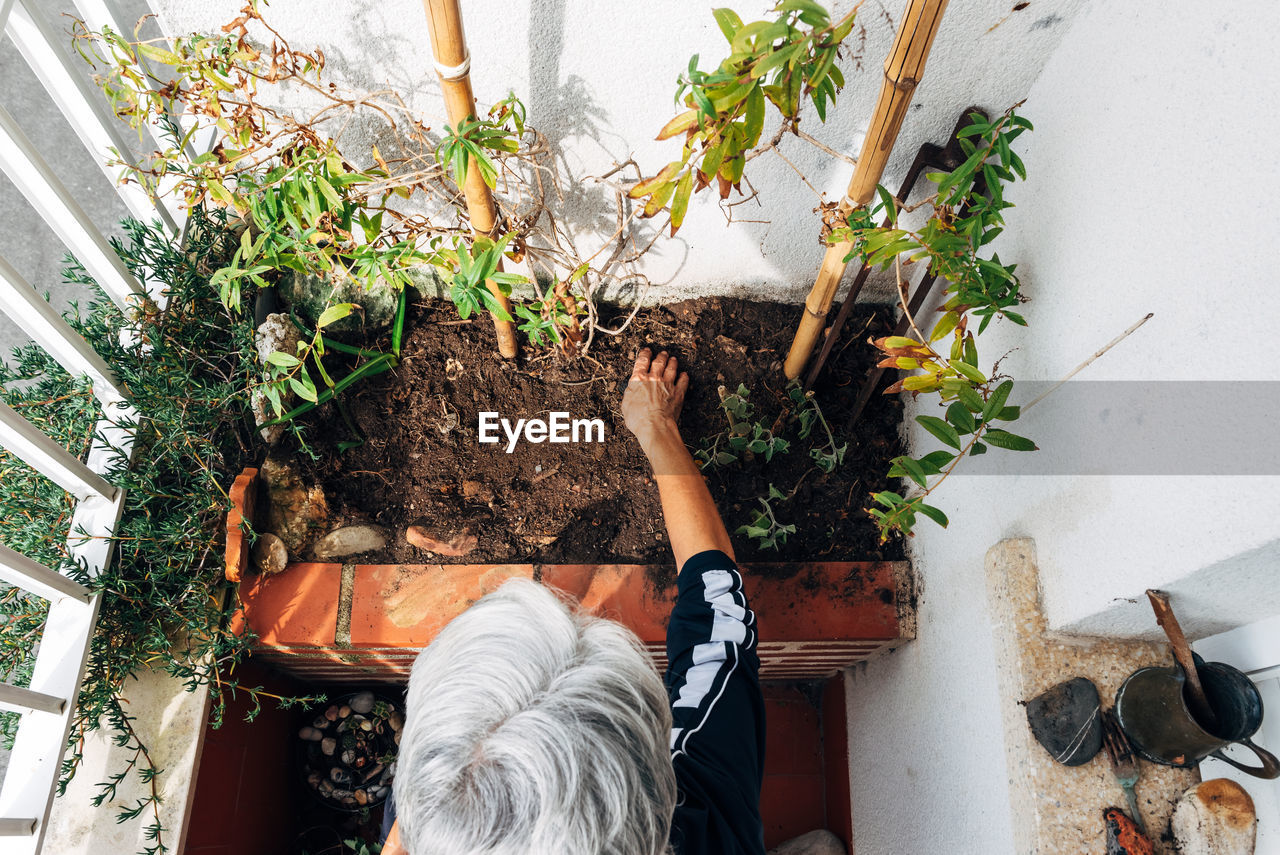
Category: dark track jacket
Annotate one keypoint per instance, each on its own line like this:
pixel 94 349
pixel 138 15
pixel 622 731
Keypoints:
pixel 717 740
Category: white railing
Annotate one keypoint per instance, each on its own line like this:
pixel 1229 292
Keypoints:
pixel 48 703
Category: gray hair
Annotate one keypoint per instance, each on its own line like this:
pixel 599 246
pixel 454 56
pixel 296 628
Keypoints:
pixel 534 729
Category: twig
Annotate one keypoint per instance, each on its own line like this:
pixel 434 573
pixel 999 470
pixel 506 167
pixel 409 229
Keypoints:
pixel 1083 365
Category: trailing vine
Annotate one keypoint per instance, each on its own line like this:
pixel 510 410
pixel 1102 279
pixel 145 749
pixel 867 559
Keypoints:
pixel 965 216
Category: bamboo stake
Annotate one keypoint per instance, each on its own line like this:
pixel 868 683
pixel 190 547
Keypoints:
pixel 903 69
pixel 453 66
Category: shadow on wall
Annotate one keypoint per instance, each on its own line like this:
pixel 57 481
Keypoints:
pixel 567 113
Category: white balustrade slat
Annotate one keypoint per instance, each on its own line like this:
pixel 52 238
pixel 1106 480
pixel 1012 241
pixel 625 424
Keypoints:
pixel 22 572
pixel 63 75
pixel 59 665
pixel 5 6
pixel 49 458
pixel 46 328
pixel 20 700
pixel 14 827
pixel 51 199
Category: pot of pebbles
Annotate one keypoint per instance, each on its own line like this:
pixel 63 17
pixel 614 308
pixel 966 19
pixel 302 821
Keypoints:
pixel 349 751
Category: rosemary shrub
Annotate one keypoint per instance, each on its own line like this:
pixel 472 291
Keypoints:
pixel 165 603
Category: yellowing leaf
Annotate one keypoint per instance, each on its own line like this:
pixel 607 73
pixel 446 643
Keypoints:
pixel 678 125
pixel 680 204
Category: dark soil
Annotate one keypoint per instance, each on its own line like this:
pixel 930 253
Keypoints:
pixel 595 502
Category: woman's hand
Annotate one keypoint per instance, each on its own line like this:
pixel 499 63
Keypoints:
pixel 654 396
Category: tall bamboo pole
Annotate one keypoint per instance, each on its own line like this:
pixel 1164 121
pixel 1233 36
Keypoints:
pixel 902 71
pixel 453 65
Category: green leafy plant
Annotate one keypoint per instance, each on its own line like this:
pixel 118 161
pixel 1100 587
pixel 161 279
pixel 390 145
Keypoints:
pixel 778 62
pixel 499 132
pixel 764 527
pixel 314 207
pixel 744 437
pixel 809 415
pixel 966 216
pixel 165 604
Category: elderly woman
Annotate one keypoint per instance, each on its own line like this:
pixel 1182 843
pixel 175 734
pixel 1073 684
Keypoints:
pixel 536 729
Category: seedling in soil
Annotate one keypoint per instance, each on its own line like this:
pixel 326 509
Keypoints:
pixel 764 527
pixel 826 457
pixel 743 437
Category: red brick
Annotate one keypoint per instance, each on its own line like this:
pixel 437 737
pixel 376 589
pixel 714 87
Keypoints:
pixel 405 605
pixel 243 495
pixel 296 607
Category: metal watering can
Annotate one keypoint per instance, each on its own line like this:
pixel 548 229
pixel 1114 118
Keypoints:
pixel 1153 712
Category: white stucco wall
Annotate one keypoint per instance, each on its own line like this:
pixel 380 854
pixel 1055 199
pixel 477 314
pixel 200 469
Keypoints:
pixel 1152 189
pixel 598 78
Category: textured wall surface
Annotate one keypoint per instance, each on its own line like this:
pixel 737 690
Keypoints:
pixel 1151 190
pixel 598 79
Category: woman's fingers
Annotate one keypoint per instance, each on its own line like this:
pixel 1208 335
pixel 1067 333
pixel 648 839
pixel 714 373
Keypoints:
pixel 658 365
pixel 669 374
pixel 677 399
pixel 642 364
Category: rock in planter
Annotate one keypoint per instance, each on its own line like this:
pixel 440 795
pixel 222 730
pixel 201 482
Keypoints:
pixel 453 545
pixel 269 554
pixel 1216 817
pixel 296 512
pixel 309 295
pixel 350 540
pixel 276 333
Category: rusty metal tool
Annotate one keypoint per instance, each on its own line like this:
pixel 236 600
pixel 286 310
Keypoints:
pixel 1123 763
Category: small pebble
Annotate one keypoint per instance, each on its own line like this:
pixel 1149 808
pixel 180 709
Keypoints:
pixel 331 714
pixel 344 711
pixel 320 723
pixel 328 745
pixel 348 757
pixel 339 775
pixel 310 734
pixel 366 725
pixel 361 797
pixel 362 703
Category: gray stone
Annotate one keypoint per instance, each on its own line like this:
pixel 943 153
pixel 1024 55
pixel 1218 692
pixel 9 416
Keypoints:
pixel 277 333
pixel 309 295
pixel 296 511
pixel 362 703
pixel 350 540
pixel 1065 720
pixel 270 555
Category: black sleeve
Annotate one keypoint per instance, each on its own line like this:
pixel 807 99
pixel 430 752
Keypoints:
pixel 717 739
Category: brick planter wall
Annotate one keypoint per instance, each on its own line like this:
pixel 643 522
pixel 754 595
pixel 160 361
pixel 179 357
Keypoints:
pixel 366 622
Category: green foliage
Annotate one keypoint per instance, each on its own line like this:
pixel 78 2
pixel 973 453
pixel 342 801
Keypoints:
pixel 809 415
pixel 744 437
pixel 776 62
pixel 166 579
pixel 501 131
pixel 966 216
pixel 764 527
